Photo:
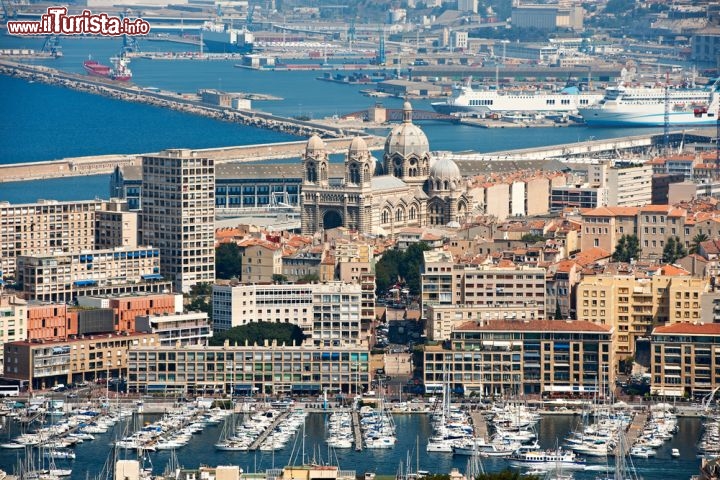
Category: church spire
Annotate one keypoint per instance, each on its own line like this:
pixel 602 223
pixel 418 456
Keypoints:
pixel 407 111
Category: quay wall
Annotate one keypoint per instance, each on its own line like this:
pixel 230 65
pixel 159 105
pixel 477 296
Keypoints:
pixel 105 164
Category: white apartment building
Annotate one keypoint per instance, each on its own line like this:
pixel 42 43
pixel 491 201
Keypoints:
pixel 178 215
pixel 328 313
pixel 189 328
pixel 626 184
pixel 61 277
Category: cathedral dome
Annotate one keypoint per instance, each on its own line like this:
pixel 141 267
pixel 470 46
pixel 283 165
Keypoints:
pixel 315 144
pixel 445 169
pixel 407 138
pixel 357 146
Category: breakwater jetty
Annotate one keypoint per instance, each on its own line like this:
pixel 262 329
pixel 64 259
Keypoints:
pixel 164 99
pixel 105 164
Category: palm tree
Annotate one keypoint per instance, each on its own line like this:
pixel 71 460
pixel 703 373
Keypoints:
pixel 696 241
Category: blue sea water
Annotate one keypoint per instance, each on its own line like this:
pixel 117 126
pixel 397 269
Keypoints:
pixel 44 122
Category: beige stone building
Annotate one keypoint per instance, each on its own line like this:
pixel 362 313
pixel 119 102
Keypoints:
pixel 116 227
pixel 656 224
pixel 443 282
pixel 603 226
pixel 685 360
pixel 634 306
pixel 437 286
pixel 260 261
pixel 409 188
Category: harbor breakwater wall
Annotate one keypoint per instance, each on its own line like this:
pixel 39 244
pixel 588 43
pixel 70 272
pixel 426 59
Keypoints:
pixel 105 164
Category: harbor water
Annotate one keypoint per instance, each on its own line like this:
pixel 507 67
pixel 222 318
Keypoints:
pixel 413 431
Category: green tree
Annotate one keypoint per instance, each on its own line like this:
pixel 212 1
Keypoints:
pixel 200 299
pixel 396 265
pixel 532 238
pixel 696 241
pixel 228 262
pixel 279 278
pixel 506 474
pixel 558 312
pixel 258 332
pixel 628 247
pixel 309 278
pixel 673 250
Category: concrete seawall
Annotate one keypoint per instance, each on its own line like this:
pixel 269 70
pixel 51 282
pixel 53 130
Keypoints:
pixel 104 164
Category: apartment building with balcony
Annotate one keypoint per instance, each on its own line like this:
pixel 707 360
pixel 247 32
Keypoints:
pixel 43 364
pixel 242 370
pixel 62 277
pixel 685 359
pixel 51 226
pixel 329 314
pixel 442 320
pixel 126 308
pixel 13 316
pixel 188 328
pixel 634 306
pixel 436 278
pixel 530 357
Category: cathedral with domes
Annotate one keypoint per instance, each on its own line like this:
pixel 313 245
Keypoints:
pixel 409 188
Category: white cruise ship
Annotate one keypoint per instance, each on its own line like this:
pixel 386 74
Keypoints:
pixel 467 100
pixel 645 107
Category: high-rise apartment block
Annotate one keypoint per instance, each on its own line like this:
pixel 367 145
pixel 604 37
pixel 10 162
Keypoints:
pixel 178 215
pixel 634 306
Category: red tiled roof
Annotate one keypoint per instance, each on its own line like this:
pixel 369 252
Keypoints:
pixel 689 329
pixel 672 271
pixel 536 325
pixel 611 212
pixel 590 255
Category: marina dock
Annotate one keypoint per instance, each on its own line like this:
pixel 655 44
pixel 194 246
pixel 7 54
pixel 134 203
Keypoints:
pixel 634 431
pixel 479 424
pixel 356 431
pixel 256 444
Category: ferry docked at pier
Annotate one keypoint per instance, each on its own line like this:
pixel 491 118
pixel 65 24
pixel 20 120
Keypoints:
pixel 638 106
pixel 466 100
pixel 222 38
